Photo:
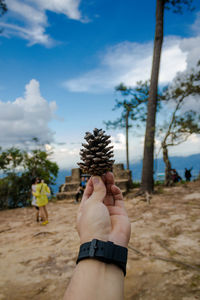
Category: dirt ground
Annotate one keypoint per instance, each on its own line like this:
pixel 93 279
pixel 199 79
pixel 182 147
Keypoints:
pixel 164 252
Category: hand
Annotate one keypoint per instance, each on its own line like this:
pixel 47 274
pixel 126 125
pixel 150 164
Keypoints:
pixel 102 214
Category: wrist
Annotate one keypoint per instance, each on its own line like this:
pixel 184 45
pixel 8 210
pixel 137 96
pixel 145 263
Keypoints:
pixel 100 267
pixel 106 252
pixel 93 279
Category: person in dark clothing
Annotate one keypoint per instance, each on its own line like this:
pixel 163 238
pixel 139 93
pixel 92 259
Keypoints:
pixel 80 189
pixel 188 174
pixel 175 176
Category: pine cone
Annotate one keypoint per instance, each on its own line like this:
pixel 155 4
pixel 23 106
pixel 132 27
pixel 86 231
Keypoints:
pixel 96 155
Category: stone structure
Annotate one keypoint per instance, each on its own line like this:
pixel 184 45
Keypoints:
pixel 69 188
pixel 123 180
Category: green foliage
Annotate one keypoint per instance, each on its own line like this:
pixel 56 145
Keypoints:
pixel 4 192
pixel 133 103
pixel 37 164
pixel 19 168
pixel 10 159
pixel 182 123
pixel 178 5
pixel 136 184
pixel 14 191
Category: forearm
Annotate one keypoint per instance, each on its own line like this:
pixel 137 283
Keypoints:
pixel 93 279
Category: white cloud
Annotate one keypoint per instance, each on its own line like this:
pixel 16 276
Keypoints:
pixel 136 146
pixel 128 63
pixel 118 141
pixel 191 146
pixel 66 157
pixel 191 103
pixel 26 117
pixel 27 18
pixel 67 7
pixel 191 46
pixel 173 60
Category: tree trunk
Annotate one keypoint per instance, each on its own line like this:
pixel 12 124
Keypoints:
pixel 127 147
pixel 167 165
pixel 148 159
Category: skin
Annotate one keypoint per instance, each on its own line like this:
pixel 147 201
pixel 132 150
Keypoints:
pixel 43 213
pixel 102 216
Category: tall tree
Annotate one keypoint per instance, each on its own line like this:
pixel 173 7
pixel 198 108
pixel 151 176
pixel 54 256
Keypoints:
pixel 148 159
pixel 133 107
pixel 183 122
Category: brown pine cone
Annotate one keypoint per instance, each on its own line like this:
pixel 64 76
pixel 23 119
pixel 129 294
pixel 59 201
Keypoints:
pixel 96 154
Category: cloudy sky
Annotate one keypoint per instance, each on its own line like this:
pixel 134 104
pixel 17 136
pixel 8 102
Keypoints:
pixel 60 61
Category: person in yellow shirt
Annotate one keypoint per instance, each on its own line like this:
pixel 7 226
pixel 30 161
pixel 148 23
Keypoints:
pixel 42 190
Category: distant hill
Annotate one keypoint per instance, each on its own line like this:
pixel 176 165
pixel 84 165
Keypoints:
pixel 178 162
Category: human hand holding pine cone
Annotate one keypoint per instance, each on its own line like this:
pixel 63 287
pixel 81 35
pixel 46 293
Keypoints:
pixel 102 214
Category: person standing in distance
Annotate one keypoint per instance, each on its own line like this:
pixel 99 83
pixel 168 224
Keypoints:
pixel 42 190
pixel 33 202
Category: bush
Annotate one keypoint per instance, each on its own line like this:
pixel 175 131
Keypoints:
pixel 15 187
pixel 15 191
pixel 4 193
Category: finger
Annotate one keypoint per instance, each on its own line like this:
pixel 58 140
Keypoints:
pixel 88 190
pixel 109 178
pixel 109 181
pixel 117 195
pixel 87 193
pixel 99 189
pixel 116 211
pixel 109 200
pixel 104 178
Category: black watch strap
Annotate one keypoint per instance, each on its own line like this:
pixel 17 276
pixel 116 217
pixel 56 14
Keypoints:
pixel 106 252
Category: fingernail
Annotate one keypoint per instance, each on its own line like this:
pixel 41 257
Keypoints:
pixel 95 180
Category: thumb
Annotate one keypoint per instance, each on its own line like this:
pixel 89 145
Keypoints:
pixel 99 191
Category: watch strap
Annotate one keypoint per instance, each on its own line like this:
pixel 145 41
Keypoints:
pixel 107 252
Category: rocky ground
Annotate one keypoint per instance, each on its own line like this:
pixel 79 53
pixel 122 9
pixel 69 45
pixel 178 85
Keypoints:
pixel 164 252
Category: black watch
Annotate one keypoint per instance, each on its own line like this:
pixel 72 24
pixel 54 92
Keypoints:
pixel 106 252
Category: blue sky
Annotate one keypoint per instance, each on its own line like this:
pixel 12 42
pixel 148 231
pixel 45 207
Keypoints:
pixel 61 59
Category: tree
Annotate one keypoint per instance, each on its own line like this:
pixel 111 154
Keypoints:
pixel 133 108
pixel 10 160
pixel 148 158
pixel 19 168
pixel 182 123
pixel 12 190
pixel 37 164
